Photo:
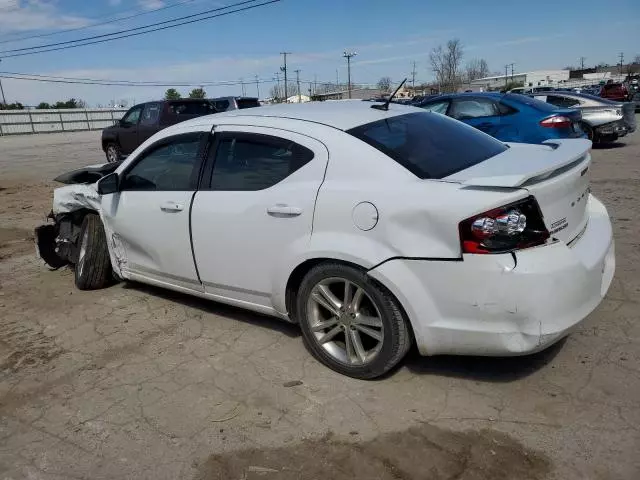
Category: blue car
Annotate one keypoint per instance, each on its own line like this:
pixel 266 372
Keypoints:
pixel 509 117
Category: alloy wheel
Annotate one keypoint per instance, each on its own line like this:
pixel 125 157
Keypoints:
pixel 345 321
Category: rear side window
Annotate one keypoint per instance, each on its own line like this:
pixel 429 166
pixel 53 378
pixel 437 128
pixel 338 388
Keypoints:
pixel 248 162
pixel 222 105
pixel 248 102
pixel 465 108
pixel 191 108
pixel 428 145
pixel 437 107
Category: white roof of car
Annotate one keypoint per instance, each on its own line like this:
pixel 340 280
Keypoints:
pixel 344 114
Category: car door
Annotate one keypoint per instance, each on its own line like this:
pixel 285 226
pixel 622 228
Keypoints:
pixel 128 134
pixel 481 113
pixel 149 119
pixel 255 210
pixel 149 215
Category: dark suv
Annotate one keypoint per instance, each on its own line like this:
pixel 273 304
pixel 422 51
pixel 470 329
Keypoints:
pixel 145 119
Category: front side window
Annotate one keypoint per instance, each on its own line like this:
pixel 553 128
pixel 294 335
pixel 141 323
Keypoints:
pixel 169 166
pixel 437 107
pixel 255 162
pixel 428 145
pixel 132 116
pixel 150 114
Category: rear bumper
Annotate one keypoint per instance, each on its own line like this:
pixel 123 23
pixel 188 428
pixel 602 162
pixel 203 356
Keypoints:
pixel 619 128
pixel 505 304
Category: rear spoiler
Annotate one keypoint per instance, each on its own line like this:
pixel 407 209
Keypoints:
pixel 521 164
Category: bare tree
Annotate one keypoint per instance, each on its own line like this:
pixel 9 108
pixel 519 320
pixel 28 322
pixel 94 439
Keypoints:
pixel 476 68
pixel 636 59
pixel 445 63
pixel 384 84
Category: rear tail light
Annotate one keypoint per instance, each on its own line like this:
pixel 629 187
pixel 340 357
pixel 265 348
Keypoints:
pixel 512 227
pixel 557 121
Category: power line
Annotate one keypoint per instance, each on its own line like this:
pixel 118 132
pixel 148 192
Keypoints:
pixel 97 24
pixel 103 40
pixel 123 83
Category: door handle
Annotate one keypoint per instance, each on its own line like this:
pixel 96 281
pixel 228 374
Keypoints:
pixel 171 207
pixel 282 210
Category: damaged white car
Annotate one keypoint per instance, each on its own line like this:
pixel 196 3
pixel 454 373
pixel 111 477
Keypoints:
pixel 372 226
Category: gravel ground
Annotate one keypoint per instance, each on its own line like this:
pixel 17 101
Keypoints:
pixel 134 382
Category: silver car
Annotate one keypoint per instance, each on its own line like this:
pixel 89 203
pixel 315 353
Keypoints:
pixel 602 120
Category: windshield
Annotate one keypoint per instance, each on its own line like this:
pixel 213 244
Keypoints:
pixel 429 145
pixel 532 102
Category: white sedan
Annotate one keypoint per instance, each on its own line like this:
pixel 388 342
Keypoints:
pixel 373 228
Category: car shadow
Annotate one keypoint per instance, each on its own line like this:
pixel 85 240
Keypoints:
pixel 485 369
pixel 215 308
pixel 608 145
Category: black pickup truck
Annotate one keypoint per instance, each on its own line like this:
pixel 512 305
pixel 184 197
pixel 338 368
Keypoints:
pixel 145 119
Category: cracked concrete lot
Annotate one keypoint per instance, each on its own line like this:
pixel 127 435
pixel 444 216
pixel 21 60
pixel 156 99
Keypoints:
pixel 133 382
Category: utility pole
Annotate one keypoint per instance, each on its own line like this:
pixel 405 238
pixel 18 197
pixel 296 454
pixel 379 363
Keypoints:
pixel 413 78
pixel 337 80
pixel 4 100
pixel 506 74
pixel 298 82
pixel 348 56
pixel 278 80
pixel 284 69
pixel 582 59
pixel 621 55
pixel 258 87
pixel 242 83
pixel 512 72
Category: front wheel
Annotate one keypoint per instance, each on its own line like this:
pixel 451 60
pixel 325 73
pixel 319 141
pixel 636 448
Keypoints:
pixel 112 152
pixel 351 323
pixel 93 268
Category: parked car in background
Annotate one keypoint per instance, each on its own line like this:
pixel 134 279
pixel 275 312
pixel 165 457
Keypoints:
pixel 602 120
pixel 224 104
pixel 145 119
pixel 615 91
pixel 448 239
pixel 635 100
pixel 509 117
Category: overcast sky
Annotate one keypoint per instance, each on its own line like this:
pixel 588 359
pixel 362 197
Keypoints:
pixel 388 37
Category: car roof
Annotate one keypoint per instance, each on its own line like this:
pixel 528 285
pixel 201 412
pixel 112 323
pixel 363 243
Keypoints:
pixel 341 114
pixel 468 94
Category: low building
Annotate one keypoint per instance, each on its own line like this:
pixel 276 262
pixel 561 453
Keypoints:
pixel 538 78
pixel 356 93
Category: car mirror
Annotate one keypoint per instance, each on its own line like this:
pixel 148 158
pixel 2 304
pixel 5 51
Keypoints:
pixel 109 184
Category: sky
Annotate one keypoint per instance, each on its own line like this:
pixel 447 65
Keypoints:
pixel 387 37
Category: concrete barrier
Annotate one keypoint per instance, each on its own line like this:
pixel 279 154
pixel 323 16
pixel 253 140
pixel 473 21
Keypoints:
pixel 18 122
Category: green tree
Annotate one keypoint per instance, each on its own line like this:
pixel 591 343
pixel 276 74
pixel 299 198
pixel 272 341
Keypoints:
pixel 43 106
pixel 11 106
pixel 197 93
pixel 172 94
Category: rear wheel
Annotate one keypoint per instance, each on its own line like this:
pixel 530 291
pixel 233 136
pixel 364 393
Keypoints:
pixel 93 268
pixel 590 133
pixel 351 323
pixel 112 151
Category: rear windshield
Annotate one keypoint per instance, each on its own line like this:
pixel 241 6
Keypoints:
pixel 532 102
pixel 428 144
pixel 248 102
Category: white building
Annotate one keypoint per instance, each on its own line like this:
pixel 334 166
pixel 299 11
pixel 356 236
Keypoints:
pixel 539 78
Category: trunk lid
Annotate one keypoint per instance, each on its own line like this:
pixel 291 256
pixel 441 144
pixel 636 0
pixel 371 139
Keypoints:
pixel 555 173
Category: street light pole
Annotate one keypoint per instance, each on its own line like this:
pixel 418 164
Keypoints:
pixel 258 87
pixel 348 56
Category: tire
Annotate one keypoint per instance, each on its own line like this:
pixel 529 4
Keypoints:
pixel 590 133
pixel 375 303
pixel 112 152
pixel 93 268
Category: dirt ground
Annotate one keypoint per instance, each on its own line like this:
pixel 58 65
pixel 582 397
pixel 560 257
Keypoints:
pixel 133 382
